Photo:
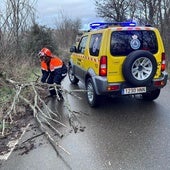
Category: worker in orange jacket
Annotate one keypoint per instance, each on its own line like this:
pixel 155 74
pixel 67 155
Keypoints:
pixel 53 70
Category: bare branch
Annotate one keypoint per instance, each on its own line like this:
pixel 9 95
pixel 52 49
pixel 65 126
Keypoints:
pixel 41 111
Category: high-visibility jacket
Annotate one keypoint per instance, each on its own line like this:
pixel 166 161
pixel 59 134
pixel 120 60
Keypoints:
pixel 54 72
pixel 55 63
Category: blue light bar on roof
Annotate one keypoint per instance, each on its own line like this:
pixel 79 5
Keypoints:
pixel 101 25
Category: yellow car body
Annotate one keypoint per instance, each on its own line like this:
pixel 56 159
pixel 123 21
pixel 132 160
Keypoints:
pixel 102 55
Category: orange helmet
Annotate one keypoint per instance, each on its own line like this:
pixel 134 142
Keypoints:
pixel 46 51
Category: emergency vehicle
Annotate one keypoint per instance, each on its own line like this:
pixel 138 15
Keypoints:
pixel 119 59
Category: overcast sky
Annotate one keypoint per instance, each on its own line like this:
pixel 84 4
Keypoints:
pixel 49 10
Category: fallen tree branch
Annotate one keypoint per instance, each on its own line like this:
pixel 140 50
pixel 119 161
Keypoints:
pixel 12 108
pixel 53 143
pixel 43 129
pixel 41 112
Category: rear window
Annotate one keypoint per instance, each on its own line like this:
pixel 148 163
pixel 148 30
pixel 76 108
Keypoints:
pixel 124 42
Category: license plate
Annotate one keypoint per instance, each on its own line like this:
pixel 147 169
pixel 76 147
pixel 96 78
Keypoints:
pixel 135 90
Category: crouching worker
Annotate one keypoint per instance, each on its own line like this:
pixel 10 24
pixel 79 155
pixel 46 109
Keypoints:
pixel 53 72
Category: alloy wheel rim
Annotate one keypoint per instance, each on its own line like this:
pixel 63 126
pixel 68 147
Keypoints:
pixel 142 68
pixel 90 92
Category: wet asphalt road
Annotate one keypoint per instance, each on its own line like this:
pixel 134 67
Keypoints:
pixel 122 134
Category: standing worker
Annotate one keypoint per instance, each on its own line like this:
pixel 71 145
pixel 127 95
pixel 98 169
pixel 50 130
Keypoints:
pixel 53 71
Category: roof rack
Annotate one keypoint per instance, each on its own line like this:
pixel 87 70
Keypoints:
pixel 102 25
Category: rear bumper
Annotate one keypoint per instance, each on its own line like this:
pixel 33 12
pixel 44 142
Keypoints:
pixel 104 88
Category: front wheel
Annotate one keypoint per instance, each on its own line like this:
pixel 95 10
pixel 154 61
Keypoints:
pixel 92 97
pixel 73 79
pixel 152 95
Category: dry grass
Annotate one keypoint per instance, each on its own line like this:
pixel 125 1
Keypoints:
pixel 16 70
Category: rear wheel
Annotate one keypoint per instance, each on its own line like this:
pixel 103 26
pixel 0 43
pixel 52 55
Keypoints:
pixel 139 68
pixel 152 95
pixel 73 79
pixel 92 97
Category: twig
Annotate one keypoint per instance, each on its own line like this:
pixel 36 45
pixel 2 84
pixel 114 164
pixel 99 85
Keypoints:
pixel 43 114
pixel 52 127
pixel 11 109
pixel 51 140
pixel 33 137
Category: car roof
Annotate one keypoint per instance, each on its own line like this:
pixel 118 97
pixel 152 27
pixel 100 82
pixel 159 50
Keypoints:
pixel 118 26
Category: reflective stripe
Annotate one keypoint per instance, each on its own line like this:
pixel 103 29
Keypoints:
pixel 56 67
pixel 51 88
pixel 64 74
pixel 44 69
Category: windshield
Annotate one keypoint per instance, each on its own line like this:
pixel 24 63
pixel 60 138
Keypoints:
pixel 124 42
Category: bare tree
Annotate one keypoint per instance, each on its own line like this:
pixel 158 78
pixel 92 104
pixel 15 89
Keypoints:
pixel 153 12
pixel 114 10
pixel 164 14
pixel 66 30
pixel 16 18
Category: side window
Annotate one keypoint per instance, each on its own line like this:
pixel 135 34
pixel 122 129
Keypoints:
pixel 82 45
pixel 95 44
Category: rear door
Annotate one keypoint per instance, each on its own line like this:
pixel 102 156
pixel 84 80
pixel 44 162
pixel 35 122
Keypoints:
pixel 125 40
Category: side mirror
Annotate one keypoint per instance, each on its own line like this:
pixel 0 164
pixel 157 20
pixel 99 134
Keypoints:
pixel 73 49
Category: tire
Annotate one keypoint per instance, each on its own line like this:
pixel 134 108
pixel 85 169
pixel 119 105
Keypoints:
pixel 73 79
pixel 92 97
pixel 152 95
pixel 139 68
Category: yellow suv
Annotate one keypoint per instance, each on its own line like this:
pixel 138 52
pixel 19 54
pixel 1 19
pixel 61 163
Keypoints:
pixel 119 59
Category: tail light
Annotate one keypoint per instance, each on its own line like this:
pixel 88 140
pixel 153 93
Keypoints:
pixel 103 66
pixel 159 83
pixel 113 87
pixel 163 64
